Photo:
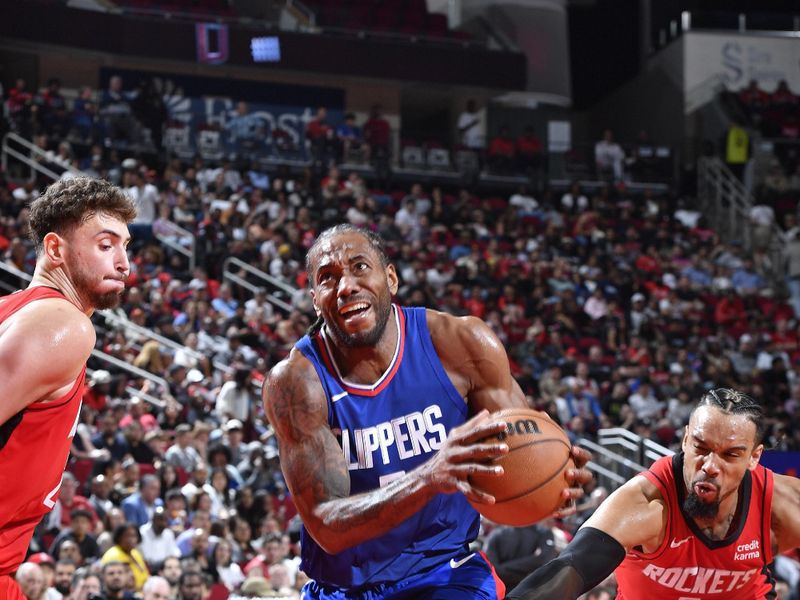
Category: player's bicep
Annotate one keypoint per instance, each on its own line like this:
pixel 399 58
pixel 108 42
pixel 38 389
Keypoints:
pixel 786 512
pixel 311 458
pixel 631 515
pixel 39 357
pixel 470 348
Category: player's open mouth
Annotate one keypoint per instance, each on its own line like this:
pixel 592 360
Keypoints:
pixel 705 490
pixel 354 311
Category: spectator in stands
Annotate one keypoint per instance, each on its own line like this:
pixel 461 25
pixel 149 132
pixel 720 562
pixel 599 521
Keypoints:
pixel 20 108
pixel 192 585
pixel 68 501
pixel 737 148
pixel 754 100
pixel 377 136
pixel 791 253
pixel 126 537
pixel 80 532
pixel 52 110
pixel 156 588
pixel 349 139
pixel 471 127
pixel 745 280
pixel 140 506
pixel 501 152
pixel 31 581
pixel 114 581
pixel 115 109
pixel 321 138
pixel 149 109
pixel 158 540
pixel 62 579
pixel 223 568
pixel 516 551
pixel 235 397
pixel 530 150
pixel 574 200
pixel 84 117
pixel 245 130
pixel 145 196
pixel 609 157
pixel 525 204
pixel 181 454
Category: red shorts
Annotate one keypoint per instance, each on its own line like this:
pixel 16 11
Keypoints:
pixel 9 590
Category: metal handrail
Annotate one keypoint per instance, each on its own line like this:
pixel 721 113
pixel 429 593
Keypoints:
pixel 229 275
pixel 134 392
pixel 165 341
pixel 126 366
pixel 7 151
pixel 727 203
pixel 637 439
pixel 180 232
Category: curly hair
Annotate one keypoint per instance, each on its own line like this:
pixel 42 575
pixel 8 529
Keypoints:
pixel 68 203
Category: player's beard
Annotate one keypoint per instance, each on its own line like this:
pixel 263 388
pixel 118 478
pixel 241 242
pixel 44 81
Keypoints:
pixel 383 310
pixel 85 284
pixel 696 508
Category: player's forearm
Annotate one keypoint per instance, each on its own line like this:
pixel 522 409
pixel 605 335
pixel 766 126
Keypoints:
pixel 346 522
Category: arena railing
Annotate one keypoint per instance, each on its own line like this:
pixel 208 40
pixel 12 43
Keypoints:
pixel 232 270
pixel 15 146
pixel 638 451
pixel 727 203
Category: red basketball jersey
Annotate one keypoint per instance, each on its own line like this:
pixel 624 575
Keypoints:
pixel 688 565
pixel 34 446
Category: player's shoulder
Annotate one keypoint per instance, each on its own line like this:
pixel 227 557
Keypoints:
pixel 291 379
pixel 55 319
pixel 467 330
pixel 294 366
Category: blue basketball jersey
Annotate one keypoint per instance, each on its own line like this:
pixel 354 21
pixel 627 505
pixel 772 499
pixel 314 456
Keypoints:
pixel 388 429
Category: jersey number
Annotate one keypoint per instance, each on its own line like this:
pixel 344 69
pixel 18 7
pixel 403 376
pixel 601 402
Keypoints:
pixel 49 501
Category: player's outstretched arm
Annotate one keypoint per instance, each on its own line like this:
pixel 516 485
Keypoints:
pixel 477 362
pixel 786 513
pixel 316 471
pixel 43 348
pixel 633 515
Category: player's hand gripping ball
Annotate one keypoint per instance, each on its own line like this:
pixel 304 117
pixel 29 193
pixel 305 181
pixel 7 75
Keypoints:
pixel 534 469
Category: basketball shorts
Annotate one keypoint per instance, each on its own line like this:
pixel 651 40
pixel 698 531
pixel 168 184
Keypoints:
pixel 470 577
pixel 9 589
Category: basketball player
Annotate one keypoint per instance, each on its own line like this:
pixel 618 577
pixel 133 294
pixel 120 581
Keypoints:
pixel 371 412
pixel 80 230
pixel 703 524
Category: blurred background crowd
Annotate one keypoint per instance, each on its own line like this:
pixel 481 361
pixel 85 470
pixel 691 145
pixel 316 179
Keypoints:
pixel 618 305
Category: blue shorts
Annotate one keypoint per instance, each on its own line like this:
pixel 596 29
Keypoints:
pixel 471 576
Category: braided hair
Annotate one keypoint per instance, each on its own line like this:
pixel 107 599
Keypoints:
pixel 374 240
pixel 734 402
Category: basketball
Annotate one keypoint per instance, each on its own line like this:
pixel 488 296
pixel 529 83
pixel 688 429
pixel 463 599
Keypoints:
pixel 534 469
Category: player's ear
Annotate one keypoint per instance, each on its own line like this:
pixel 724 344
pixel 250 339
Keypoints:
pixel 53 245
pixel 314 301
pixel 755 457
pixel 393 280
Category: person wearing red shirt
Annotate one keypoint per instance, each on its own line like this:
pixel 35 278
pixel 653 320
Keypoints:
pixel 501 152
pixel 321 136
pixel 529 150
pixel 377 133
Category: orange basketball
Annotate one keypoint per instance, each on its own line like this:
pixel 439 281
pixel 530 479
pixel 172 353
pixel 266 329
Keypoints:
pixel 533 470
